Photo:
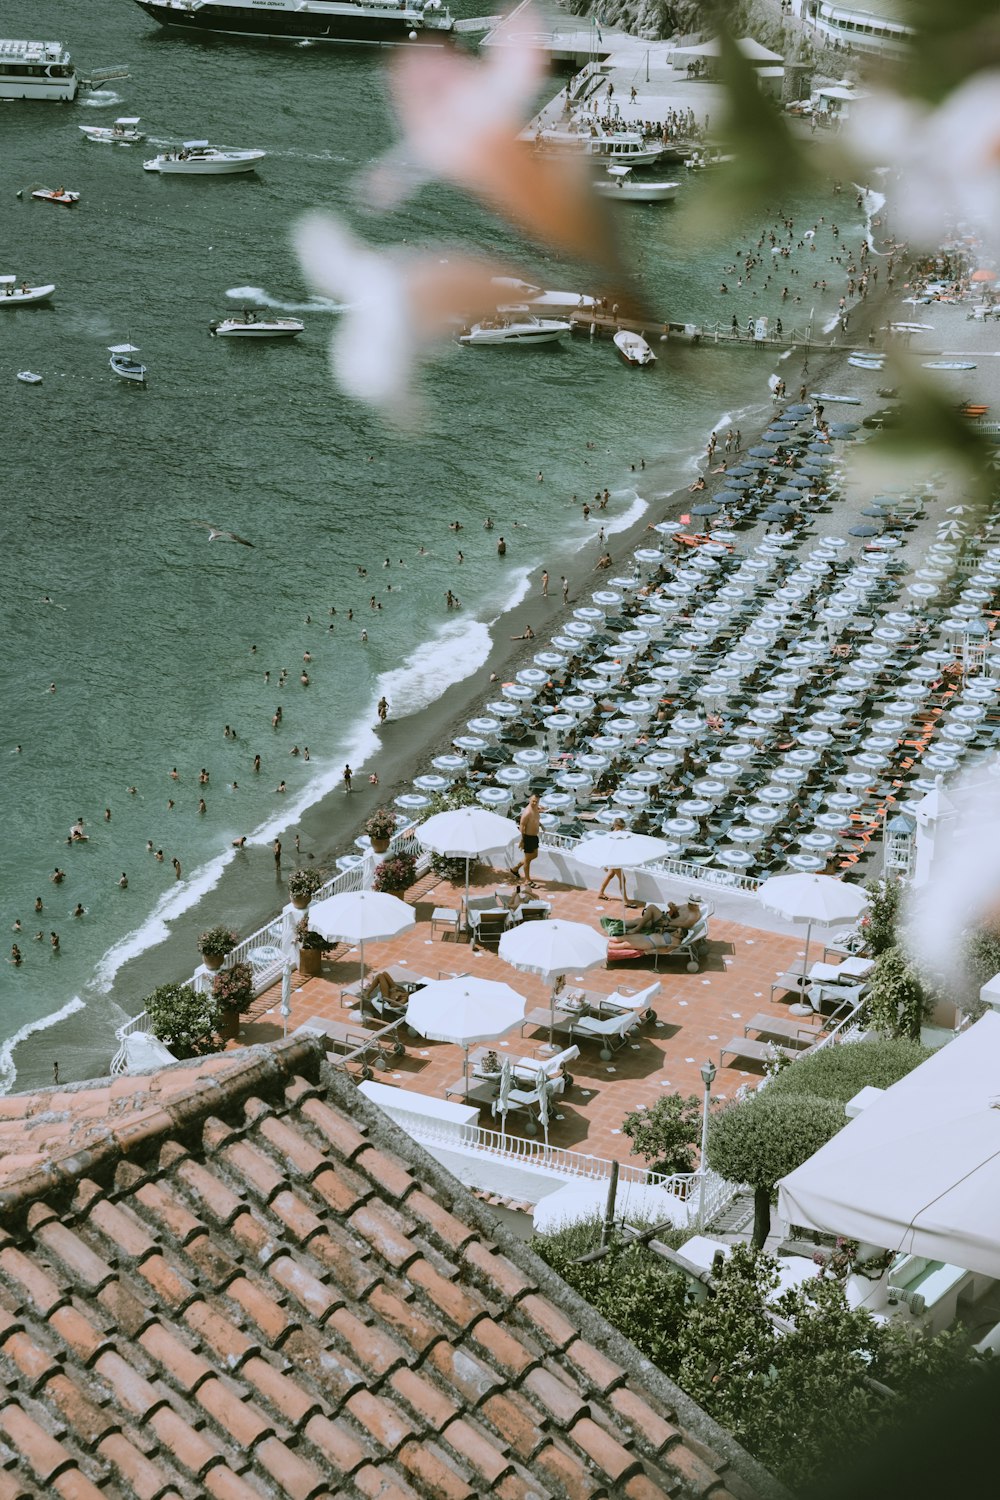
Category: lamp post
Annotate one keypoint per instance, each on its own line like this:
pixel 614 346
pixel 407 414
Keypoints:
pixel 707 1078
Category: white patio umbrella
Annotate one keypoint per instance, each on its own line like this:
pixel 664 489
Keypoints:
pixel 464 1010
pixel 465 833
pixel 582 1200
pixel 552 948
pixel 812 899
pixel 620 850
pixel 360 917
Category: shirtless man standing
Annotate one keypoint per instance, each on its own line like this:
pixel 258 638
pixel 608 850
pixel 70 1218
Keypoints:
pixel 529 824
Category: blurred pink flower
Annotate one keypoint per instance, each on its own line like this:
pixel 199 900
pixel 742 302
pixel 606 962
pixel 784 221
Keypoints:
pixel 946 160
pixel 398 303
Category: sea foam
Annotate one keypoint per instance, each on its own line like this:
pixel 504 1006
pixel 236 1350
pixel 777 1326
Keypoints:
pixel 262 298
pixel 8 1072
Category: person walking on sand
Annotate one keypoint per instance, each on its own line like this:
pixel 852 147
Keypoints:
pixel 276 850
pixel 564 581
pixel 614 873
pixel 529 824
pixel 348 778
pixel 545 583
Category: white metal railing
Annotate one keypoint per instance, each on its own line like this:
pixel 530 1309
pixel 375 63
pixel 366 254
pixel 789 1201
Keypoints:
pixel 673 869
pixel 278 933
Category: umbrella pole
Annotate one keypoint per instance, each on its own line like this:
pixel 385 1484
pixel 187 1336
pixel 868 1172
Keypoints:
pixel 361 946
pixel 802 1006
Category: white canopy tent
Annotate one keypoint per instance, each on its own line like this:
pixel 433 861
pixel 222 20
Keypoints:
pixel 918 1170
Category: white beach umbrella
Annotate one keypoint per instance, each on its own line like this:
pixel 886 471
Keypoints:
pixel 553 948
pixel 465 833
pixel 812 899
pixel 464 1010
pixel 360 917
pixel 620 850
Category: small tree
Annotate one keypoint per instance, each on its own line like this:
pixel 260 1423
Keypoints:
pixel 981 962
pixel 897 1001
pixel 183 1020
pixel 666 1134
pixel 760 1139
pixel 878 925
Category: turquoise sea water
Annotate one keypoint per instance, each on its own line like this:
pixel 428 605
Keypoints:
pixel 149 632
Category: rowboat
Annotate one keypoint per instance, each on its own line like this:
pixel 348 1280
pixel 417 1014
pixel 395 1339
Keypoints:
pixel 124 366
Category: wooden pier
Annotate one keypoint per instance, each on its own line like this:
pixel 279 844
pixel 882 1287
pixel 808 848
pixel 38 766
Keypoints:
pixel 606 325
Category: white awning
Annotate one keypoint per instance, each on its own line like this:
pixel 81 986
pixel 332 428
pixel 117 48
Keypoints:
pixel 919 1170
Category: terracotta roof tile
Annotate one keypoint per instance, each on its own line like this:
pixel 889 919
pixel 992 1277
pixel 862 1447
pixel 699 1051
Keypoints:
pixel 276 1293
pixel 517 1422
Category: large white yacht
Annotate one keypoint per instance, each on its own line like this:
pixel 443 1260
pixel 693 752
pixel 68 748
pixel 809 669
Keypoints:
pixel 375 22
pixel 36 70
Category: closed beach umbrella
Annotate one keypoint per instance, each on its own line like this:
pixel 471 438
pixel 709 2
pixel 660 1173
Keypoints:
pixel 464 1010
pixel 360 917
pixel 465 833
pixel 553 948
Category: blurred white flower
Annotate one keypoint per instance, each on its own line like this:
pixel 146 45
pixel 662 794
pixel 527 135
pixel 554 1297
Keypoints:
pixel 947 160
pixel 398 303
pixel 963 889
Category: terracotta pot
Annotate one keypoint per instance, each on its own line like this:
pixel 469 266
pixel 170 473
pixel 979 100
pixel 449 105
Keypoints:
pixel 310 961
pixel 213 961
pixel 301 903
pixel 229 1023
pixel 379 846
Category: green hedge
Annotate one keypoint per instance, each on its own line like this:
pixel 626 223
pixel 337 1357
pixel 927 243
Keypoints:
pixel 840 1072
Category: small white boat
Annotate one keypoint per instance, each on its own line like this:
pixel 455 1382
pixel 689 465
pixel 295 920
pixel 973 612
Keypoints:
pixel 56 195
pixel 124 365
pixel 866 361
pixel 252 327
pixel 948 364
pixel 124 132
pixel 199 159
pixel 516 325
pixel 538 298
pixel 12 295
pixel 825 397
pixel 621 184
pixel 633 348
pixel 29 377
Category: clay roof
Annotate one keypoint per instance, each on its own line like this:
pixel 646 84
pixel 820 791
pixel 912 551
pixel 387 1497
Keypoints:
pixel 243 1281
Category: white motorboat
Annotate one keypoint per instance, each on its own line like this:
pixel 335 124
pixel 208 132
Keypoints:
pixel 28 377
pixel 633 348
pixel 250 326
pixel 12 295
pixel 56 195
pixel 124 132
pixel 620 183
pixel 823 398
pixel 36 70
pixel 626 146
pixel 550 301
pixel 199 159
pixel 866 361
pixel 516 325
pixel 124 365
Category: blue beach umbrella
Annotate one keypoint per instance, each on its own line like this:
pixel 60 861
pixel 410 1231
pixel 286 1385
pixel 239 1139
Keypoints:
pixel 728 497
pixel 789 494
pixel 798 481
pixel 798 409
pixel 706 508
pixel 777 512
pixel 763 450
pixel 863 531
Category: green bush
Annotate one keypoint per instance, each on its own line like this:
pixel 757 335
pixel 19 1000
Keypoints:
pixel 898 1000
pixel 879 923
pixel 759 1139
pixel 183 1020
pixel 838 1073
pixel 666 1134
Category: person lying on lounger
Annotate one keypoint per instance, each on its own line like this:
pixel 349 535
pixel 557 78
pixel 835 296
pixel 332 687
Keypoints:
pixel 674 921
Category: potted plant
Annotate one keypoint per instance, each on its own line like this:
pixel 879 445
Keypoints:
pixel 380 828
pixel 234 991
pixel 302 886
pixel 215 944
pixel 184 1020
pixel 395 873
pixel 312 946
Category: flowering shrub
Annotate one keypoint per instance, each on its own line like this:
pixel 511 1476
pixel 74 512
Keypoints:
pixel 234 988
pixel 218 941
pixel 395 873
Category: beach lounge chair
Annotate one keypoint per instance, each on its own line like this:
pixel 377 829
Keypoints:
pixel 629 1002
pixel 611 1032
pixel 555 1068
pixel 489 928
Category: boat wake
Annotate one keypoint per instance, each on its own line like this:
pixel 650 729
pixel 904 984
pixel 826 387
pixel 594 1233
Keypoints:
pixel 260 298
pixel 101 99
pixel 8 1072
